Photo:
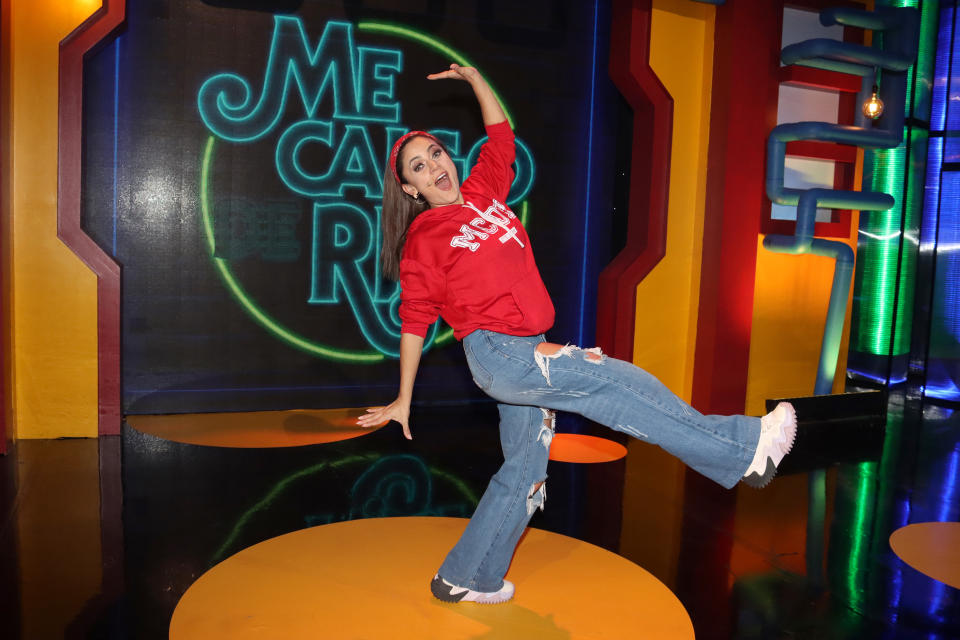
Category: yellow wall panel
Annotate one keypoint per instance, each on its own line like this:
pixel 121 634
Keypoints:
pixel 681 54
pixel 54 295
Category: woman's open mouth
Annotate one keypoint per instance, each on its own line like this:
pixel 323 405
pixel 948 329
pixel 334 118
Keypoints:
pixel 443 182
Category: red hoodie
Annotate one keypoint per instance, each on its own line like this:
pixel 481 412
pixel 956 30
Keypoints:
pixel 472 263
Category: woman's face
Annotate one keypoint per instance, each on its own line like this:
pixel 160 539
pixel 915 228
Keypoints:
pixel 429 171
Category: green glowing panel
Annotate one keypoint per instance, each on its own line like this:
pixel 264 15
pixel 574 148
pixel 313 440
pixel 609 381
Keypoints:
pixel 864 508
pixel 918 93
pixel 887 254
pixel 850 535
pixel 887 258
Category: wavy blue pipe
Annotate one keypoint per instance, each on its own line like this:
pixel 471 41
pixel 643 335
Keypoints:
pixel 898 30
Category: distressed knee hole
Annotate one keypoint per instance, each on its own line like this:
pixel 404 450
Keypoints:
pixel 537 497
pixel 594 355
pixel 550 348
pixel 547 428
pixel 547 351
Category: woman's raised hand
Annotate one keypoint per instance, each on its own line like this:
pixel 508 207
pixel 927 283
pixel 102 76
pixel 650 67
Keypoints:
pixel 456 72
pixel 397 410
pixel 489 104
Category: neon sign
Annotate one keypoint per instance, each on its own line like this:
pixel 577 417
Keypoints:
pixel 357 84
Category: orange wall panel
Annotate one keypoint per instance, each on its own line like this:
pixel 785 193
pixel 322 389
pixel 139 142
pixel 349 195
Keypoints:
pixel 789 312
pixel 53 295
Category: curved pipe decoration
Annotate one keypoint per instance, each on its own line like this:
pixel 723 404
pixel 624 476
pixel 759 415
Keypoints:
pixel 897 31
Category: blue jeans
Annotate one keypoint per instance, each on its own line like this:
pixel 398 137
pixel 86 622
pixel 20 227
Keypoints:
pixel 529 386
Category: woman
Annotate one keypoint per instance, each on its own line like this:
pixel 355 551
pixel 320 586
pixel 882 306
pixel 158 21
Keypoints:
pixel 461 253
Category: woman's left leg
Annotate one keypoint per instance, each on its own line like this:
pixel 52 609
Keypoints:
pixel 626 398
pixel 481 556
pixel 616 394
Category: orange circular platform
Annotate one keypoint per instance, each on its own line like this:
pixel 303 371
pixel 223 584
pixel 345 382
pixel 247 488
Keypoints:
pixel 255 429
pixel 370 579
pixel 932 548
pixel 574 447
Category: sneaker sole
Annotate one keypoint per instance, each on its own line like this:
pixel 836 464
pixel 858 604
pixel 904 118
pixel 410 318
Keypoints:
pixel 790 431
pixel 759 481
pixel 443 594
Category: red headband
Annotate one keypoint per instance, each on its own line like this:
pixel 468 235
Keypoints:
pixel 399 143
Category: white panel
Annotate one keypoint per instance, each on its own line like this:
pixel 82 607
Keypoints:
pixel 804 173
pixel 802 104
pixel 800 25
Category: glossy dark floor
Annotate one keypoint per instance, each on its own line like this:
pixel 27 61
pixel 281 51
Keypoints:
pixel 807 557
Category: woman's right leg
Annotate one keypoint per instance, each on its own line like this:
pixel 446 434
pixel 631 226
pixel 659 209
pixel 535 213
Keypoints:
pixel 481 556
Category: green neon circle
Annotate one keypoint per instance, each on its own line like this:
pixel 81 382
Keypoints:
pixel 235 288
pixel 246 301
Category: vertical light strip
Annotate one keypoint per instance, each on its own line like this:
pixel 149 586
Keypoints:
pixel 947 281
pixel 883 310
pixel 948 496
pixel 926 54
pixel 589 156
pixel 878 258
pixel 941 219
pixel 938 106
pixel 888 253
pixel 892 509
pixel 918 93
pixel 863 510
pixel 931 201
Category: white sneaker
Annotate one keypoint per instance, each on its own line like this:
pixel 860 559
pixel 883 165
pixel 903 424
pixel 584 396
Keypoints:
pixel 447 592
pixel 778 430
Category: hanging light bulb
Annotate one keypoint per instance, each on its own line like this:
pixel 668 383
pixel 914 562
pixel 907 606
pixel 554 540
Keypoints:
pixel 873 107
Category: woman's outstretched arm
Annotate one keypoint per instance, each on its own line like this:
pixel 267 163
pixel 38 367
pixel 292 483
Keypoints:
pixel 490 107
pixel 411 346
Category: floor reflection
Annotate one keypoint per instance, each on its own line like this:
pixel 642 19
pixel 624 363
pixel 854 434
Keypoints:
pixel 772 563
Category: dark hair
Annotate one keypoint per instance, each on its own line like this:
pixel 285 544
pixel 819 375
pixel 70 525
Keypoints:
pixel 399 210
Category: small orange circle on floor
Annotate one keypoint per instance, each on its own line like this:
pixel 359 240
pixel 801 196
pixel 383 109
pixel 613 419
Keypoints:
pixel 255 429
pixel 574 447
pixel 370 579
pixel 932 548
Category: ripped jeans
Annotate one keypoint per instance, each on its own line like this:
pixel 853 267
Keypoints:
pixel 528 387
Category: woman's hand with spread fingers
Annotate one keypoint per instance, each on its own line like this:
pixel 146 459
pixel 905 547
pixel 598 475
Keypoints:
pixel 490 107
pixel 398 411
pixel 456 72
